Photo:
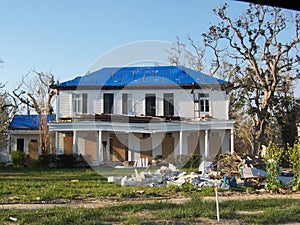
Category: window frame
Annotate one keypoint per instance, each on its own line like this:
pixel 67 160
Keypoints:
pixel 168 104
pixel 79 103
pixel 126 103
pixel 204 104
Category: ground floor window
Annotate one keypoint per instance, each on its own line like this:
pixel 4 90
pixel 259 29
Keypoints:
pixel 20 144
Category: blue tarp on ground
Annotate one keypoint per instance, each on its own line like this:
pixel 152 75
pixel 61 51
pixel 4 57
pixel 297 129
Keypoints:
pixel 150 75
pixel 30 122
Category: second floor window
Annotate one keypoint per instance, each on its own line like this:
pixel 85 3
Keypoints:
pixel 108 103
pixel 126 104
pixel 168 104
pixel 204 102
pixel 150 105
pixel 79 103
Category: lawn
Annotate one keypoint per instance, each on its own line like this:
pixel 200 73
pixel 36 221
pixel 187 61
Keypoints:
pixel 48 185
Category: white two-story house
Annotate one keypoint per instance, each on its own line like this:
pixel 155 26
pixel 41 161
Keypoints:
pixel 124 114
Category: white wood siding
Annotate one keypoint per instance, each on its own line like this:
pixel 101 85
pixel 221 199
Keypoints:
pixel 219 105
pixel 27 138
pixel 157 139
pixel 183 102
pixel 60 149
pixel 65 104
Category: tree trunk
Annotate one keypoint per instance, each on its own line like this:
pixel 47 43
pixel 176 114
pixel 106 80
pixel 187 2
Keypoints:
pixel 259 135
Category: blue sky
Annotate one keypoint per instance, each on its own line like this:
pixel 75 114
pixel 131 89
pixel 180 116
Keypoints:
pixel 65 36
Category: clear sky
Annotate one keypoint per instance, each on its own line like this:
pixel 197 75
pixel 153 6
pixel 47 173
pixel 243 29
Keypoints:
pixel 65 36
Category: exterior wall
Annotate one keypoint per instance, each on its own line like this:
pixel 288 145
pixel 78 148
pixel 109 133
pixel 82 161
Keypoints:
pixel 219 105
pixel 183 102
pixel 157 139
pixel 202 142
pixel 27 138
pixel 64 104
pixel 60 144
pixel 225 143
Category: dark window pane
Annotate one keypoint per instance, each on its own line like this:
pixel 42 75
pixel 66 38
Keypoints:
pixel 108 103
pixel 124 103
pixel 150 105
pixel 206 106
pixel 169 104
pixel 84 103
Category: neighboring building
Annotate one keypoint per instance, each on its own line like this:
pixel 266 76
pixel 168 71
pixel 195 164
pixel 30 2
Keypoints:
pixel 24 134
pixel 124 114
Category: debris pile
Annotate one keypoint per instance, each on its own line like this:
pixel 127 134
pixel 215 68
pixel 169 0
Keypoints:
pixel 166 176
pixel 227 171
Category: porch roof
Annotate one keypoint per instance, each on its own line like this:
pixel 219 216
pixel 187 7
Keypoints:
pixel 156 127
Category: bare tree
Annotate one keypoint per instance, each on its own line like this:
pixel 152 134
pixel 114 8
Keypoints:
pixel 262 58
pixel 8 109
pixel 180 55
pixel 35 93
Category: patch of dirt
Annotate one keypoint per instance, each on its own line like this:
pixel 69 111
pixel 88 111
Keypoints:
pixel 102 202
pixel 249 212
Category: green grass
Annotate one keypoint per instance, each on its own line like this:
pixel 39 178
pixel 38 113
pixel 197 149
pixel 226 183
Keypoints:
pixel 275 211
pixel 36 185
pixel 44 185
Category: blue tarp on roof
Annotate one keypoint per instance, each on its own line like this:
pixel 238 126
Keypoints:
pixel 30 122
pixel 150 75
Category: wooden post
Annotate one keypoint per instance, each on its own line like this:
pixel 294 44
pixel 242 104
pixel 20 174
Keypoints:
pixel 217 202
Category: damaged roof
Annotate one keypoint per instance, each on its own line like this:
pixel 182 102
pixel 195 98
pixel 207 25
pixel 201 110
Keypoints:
pixel 144 75
pixel 28 122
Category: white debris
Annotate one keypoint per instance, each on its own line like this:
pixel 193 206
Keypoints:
pixel 172 167
pixel 112 179
pixel 205 167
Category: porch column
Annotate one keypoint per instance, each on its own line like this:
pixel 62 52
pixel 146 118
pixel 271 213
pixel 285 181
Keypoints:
pixel 107 146
pixel 180 142
pixel 100 147
pixel 232 141
pixel 56 142
pixel 206 145
pixel 75 150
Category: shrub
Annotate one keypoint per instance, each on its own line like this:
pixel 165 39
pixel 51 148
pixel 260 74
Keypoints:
pixel 45 160
pixel 18 158
pixel 273 157
pixel 66 161
pixel 294 160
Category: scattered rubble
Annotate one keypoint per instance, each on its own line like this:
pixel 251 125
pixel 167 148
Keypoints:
pixel 166 176
pixel 230 170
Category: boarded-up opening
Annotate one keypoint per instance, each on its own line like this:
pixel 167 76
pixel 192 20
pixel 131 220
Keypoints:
pixel 193 145
pixel 118 149
pixel 33 150
pixel 68 145
pixel 146 148
pixel 91 148
pixel 167 147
